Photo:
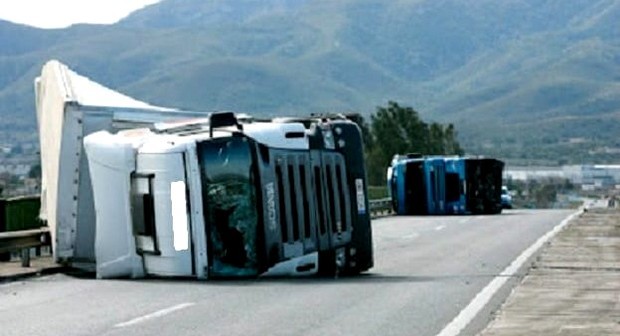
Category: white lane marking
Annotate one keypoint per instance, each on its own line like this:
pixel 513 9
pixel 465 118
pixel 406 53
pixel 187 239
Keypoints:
pixel 153 315
pixel 440 227
pixel 412 236
pixel 484 296
pixel 464 220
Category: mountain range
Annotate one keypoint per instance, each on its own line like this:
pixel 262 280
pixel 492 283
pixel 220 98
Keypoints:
pixel 523 80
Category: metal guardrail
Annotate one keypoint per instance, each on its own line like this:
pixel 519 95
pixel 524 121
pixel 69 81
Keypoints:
pixel 26 239
pixel 380 207
pixel 23 241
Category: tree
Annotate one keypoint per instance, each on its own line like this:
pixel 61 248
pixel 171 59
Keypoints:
pixel 399 130
pixel 451 144
pixel 435 139
pixel 395 129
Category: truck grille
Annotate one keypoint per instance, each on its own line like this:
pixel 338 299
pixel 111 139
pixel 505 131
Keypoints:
pixel 314 196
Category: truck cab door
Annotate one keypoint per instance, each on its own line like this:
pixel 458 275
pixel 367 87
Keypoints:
pixel 436 186
pixel 160 214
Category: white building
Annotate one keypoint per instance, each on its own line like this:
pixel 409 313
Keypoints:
pixel 533 173
pixel 590 177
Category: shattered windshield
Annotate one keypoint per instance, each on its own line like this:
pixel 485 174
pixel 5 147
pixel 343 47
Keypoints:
pixel 230 205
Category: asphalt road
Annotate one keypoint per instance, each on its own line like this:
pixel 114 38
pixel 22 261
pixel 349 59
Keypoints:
pixel 427 269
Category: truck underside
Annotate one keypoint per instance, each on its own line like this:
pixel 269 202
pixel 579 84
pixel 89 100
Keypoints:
pixel 484 185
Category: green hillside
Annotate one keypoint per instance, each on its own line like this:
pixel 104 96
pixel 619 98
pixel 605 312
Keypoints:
pixel 525 80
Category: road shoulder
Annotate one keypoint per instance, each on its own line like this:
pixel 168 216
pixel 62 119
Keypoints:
pixel 573 287
pixel 13 270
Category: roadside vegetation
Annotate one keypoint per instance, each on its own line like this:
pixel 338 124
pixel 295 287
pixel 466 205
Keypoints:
pixel 395 129
pixel 545 193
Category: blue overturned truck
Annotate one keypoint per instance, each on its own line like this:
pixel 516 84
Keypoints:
pixel 445 185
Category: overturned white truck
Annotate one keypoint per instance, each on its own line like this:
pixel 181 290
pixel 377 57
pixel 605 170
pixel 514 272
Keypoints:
pixel 132 190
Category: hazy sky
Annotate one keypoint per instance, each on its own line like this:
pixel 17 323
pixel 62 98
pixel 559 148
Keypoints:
pixel 63 13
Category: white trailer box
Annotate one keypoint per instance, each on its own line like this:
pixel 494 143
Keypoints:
pixel 69 107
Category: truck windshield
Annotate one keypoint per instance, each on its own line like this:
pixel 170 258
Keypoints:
pixel 229 205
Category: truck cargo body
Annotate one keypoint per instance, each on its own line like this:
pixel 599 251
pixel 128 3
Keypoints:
pixel 69 107
pixel 445 185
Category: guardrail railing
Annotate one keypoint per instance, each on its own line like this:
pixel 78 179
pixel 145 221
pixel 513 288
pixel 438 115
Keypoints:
pixel 23 241
pixel 26 239
pixel 380 207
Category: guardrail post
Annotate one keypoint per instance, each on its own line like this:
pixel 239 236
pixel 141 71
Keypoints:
pixel 379 207
pixel 25 257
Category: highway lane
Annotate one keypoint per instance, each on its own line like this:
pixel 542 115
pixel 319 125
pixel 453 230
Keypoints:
pixel 427 269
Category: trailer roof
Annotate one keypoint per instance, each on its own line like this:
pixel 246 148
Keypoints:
pixel 81 90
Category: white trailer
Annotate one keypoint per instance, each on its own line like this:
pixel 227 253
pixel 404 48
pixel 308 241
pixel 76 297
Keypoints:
pixel 69 107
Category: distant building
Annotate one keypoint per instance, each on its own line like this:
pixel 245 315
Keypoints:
pixel 19 166
pixel 19 169
pixel 533 173
pixel 600 176
pixel 589 177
